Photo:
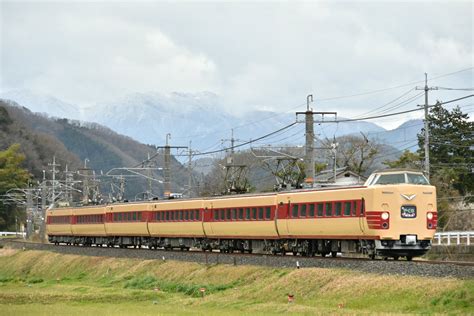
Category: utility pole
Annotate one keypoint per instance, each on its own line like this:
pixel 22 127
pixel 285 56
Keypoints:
pixel 234 173
pixel 167 168
pixel 309 147
pixel 190 171
pixel 54 171
pixel 29 213
pixel 426 127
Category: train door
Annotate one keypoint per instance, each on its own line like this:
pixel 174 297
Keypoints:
pixel 361 215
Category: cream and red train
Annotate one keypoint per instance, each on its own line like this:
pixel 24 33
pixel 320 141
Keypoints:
pixel 392 215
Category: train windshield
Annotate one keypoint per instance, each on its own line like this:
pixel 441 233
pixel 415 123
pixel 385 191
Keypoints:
pixel 397 178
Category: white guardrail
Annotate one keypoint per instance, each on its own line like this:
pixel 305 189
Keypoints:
pixel 453 238
pixel 12 234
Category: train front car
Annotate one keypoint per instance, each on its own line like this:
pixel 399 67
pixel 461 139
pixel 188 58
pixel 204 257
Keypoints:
pixel 401 211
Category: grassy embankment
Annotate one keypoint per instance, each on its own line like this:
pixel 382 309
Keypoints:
pixel 49 283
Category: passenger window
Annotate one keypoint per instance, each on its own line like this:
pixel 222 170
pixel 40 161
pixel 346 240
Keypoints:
pixel 328 209
pixel 338 208
pixel 303 210
pixel 247 213
pixel 222 214
pixel 347 208
pixel 268 213
pixel 181 215
pixel 260 213
pixel 227 214
pixel 294 213
pixel 233 214
pixel 311 210
pixel 254 213
pixel 186 215
pixel 197 215
pixel 191 215
pixel 134 216
pixel 354 208
pixel 241 213
pixel 120 217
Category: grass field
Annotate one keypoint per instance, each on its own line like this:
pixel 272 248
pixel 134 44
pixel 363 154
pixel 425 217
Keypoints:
pixel 45 283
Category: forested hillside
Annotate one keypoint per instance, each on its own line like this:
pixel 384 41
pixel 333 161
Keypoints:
pixel 72 142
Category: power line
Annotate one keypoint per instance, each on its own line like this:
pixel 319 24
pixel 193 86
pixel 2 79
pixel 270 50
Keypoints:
pixel 393 114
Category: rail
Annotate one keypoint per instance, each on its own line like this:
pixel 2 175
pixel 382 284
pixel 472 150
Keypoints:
pixel 3 234
pixel 453 238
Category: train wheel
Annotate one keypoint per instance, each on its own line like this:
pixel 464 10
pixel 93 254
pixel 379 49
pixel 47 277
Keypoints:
pixel 395 258
pixel 372 256
pixel 295 253
pixel 409 258
pixel 334 254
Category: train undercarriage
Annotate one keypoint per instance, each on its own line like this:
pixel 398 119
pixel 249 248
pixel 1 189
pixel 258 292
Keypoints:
pixel 407 246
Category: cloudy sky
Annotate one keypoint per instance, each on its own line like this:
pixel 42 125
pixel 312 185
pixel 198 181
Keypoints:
pixel 265 55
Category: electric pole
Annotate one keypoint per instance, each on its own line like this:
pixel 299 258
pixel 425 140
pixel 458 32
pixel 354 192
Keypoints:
pixel 309 147
pixel 167 168
pixel 190 171
pixel 426 127
pixel 54 171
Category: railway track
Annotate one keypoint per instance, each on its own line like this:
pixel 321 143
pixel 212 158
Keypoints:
pixel 418 267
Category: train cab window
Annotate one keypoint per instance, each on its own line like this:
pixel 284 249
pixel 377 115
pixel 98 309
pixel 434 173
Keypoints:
pixel 328 209
pixel 254 213
pixel 303 210
pixel 338 208
pixel 347 208
pixel 294 211
pixel 260 213
pixel 320 209
pixel 241 213
pixel 247 213
pixel 268 212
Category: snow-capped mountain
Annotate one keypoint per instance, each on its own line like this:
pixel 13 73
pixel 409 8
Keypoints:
pixel 197 117
pixel 40 103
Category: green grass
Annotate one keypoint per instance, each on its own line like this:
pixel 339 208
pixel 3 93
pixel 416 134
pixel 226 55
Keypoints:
pixel 52 284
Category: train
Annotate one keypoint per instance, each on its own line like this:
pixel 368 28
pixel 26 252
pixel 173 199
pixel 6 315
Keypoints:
pixel 392 215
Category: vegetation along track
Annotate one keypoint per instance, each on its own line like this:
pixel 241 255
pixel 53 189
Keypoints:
pixel 419 267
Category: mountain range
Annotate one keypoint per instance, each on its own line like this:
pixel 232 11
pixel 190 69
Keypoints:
pixel 198 117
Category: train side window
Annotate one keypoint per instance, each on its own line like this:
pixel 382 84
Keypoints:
pixel 303 210
pixel 167 216
pixel 197 215
pixel 227 214
pixel 347 208
pixel 186 215
pixel 222 214
pixel 233 214
pixel 260 213
pixel 328 209
pixel 294 212
pixel 241 213
pixel 247 213
pixel 268 212
pixel 320 209
pixel 254 213
pixel 134 216
pixel 191 215
pixel 216 215
pixel 139 216
pixel 338 208
pixel 120 216
pixel 311 210
pixel 354 208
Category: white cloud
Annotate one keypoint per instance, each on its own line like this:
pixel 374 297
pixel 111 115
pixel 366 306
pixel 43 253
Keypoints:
pixel 253 54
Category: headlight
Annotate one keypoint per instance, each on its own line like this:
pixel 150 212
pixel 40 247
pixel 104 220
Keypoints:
pixel 385 216
pixel 429 216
